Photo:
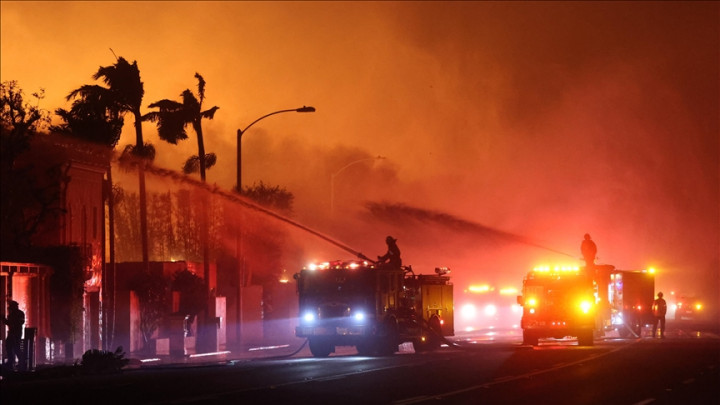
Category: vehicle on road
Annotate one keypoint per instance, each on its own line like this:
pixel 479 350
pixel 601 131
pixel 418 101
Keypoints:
pixel 372 307
pixel 482 307
pixel 576 301
pixel 688 309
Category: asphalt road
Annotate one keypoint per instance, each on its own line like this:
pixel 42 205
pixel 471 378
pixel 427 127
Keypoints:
pixel 682 369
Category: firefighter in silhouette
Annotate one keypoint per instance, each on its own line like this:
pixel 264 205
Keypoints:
pixel 589 250
pixel 391 259
pixel 13 342
pixel 659 309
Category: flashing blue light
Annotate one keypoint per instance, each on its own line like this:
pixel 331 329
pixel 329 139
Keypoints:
pixel 359 316
pixel 309 317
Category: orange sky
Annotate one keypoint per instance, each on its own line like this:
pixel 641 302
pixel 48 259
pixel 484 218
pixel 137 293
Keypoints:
pixel 546 120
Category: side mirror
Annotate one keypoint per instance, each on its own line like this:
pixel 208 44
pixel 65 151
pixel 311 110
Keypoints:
pixel 521 300
pixel 296 276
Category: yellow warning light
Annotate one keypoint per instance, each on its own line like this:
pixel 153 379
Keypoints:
pixel 478 289
pixel 651 270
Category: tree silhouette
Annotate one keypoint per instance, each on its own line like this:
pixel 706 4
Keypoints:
pixel 272 197
pixel 173 117
pixel 27 201
pixel 94 119
pixel 124 92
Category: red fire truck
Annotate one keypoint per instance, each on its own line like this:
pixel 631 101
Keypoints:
pixel 574 301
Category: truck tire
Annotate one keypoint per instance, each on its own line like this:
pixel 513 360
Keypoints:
pixel 433 337
pixel 388 340
pixel 585 338
pixel 530 338
pixel 366 347
pixel 321 347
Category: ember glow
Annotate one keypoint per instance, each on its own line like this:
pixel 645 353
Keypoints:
pixel 533 122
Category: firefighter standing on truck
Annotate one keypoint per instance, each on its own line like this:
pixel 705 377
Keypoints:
pixel 589 251
pixel 392 257
pixel 659 309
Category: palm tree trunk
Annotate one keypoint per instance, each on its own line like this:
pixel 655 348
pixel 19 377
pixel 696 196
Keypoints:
pixel 143 196
pixel 109 313
pixel 206 216
pixel 143 219
pixel 201 148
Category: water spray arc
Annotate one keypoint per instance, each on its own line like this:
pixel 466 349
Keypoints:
pixel 235 198
pixel 401 213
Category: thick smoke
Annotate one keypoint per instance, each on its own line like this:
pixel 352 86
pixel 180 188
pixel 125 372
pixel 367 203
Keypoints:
pixel 542 120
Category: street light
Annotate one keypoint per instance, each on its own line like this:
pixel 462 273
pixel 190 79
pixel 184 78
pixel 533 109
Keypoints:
pixel 240 132
pixel 332 179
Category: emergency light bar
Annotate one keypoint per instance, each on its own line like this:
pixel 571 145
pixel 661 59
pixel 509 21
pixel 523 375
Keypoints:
pixel 547 269
pixel 339 264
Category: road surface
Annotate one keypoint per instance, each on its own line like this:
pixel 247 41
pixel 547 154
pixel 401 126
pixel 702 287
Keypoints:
pixel 682 369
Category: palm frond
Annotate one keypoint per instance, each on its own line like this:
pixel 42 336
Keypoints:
pixel 209 114
pixel 89 91
pixel 146 151
pixel 191 104
pixel 210 160
pixel 123 78
pixel 152 116
pixel 170 120
pixel 192 165
pixel 201 87
pixel 166 105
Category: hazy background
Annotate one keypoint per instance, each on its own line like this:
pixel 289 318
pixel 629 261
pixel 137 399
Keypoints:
pixel 504 126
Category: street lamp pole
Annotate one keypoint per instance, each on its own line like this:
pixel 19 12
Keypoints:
pixel 240 132
pixel 332 179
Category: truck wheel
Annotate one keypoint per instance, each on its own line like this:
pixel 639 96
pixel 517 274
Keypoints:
pixel 585 338
pixel 530 338
pixel 321 347
pixel 388 342
pixel 366 347
pixel 434 338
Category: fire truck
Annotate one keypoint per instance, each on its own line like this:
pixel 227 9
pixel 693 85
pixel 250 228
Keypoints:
pixel 577 301
pixel 372 307
pixel 625 298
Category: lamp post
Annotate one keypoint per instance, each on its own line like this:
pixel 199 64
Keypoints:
pixel 332 179
pixel 240 132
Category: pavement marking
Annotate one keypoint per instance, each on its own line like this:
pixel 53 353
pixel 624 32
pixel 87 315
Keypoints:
pixel 502 380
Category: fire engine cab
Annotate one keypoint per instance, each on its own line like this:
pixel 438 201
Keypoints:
pixel 558 302
pixel 577 301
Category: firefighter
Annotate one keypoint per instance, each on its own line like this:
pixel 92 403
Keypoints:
pixel 659 309
pixel 589 250
pixel 392 257
pixel 15 321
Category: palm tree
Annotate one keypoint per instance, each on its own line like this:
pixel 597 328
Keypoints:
pixel 173 117
pixel 125 91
